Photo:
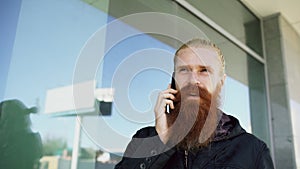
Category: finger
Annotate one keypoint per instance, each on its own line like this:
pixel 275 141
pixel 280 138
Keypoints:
pixel 173 91
pixel 170 90
pixel 170 103
pixel 168 96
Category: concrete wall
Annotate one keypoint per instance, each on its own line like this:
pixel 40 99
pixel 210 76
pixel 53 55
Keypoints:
pixel 276 56
pixel 291 48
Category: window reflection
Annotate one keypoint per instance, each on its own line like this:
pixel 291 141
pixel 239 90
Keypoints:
pixel 235 18
pixel 17 138
pixel 51 34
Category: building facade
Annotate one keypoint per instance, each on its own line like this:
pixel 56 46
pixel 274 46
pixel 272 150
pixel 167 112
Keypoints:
pixel 49 44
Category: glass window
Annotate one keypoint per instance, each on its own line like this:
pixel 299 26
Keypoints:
pixel 239 64
pixel 258 100
pixel 48 39
pixel 235 18
pixel 94 46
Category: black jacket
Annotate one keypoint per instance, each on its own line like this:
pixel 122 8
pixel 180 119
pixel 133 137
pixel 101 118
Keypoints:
pixel 234 149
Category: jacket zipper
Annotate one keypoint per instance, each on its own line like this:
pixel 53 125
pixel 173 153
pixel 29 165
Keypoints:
pixel 186 153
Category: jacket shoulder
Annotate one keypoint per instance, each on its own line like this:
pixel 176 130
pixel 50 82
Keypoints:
pixel 263 157
pixel 251 139
pixel 145 132
pixel 244 150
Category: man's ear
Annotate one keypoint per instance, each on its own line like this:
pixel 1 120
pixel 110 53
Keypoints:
pixel 223 79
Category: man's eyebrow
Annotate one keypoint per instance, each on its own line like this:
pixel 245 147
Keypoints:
pixel 183 66
pixel 198 66
pixel 203 66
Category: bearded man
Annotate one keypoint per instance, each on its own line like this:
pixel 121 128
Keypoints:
pixel 195 133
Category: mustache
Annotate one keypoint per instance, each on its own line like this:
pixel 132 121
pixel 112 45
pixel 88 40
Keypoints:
pixel 194 90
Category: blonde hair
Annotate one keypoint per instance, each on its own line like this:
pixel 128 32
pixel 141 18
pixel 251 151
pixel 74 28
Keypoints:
pixel 201 43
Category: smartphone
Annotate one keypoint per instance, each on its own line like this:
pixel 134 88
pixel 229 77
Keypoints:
pixel 173 86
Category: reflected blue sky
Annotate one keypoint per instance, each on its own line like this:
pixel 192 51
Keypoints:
pixel 49 37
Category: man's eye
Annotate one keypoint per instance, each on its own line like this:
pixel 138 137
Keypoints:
pixel 204 70
pixel 183 70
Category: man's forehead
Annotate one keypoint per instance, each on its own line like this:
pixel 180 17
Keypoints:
pixel 197 55
pixel 199 52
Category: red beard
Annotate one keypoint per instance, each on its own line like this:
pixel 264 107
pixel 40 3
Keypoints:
pixel 192 122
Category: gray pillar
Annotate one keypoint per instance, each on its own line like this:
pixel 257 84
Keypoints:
pixel 279 97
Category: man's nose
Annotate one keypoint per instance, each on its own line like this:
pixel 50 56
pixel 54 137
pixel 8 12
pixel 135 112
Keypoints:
pixel 195 78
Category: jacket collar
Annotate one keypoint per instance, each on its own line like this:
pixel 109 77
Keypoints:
pixel 228 127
